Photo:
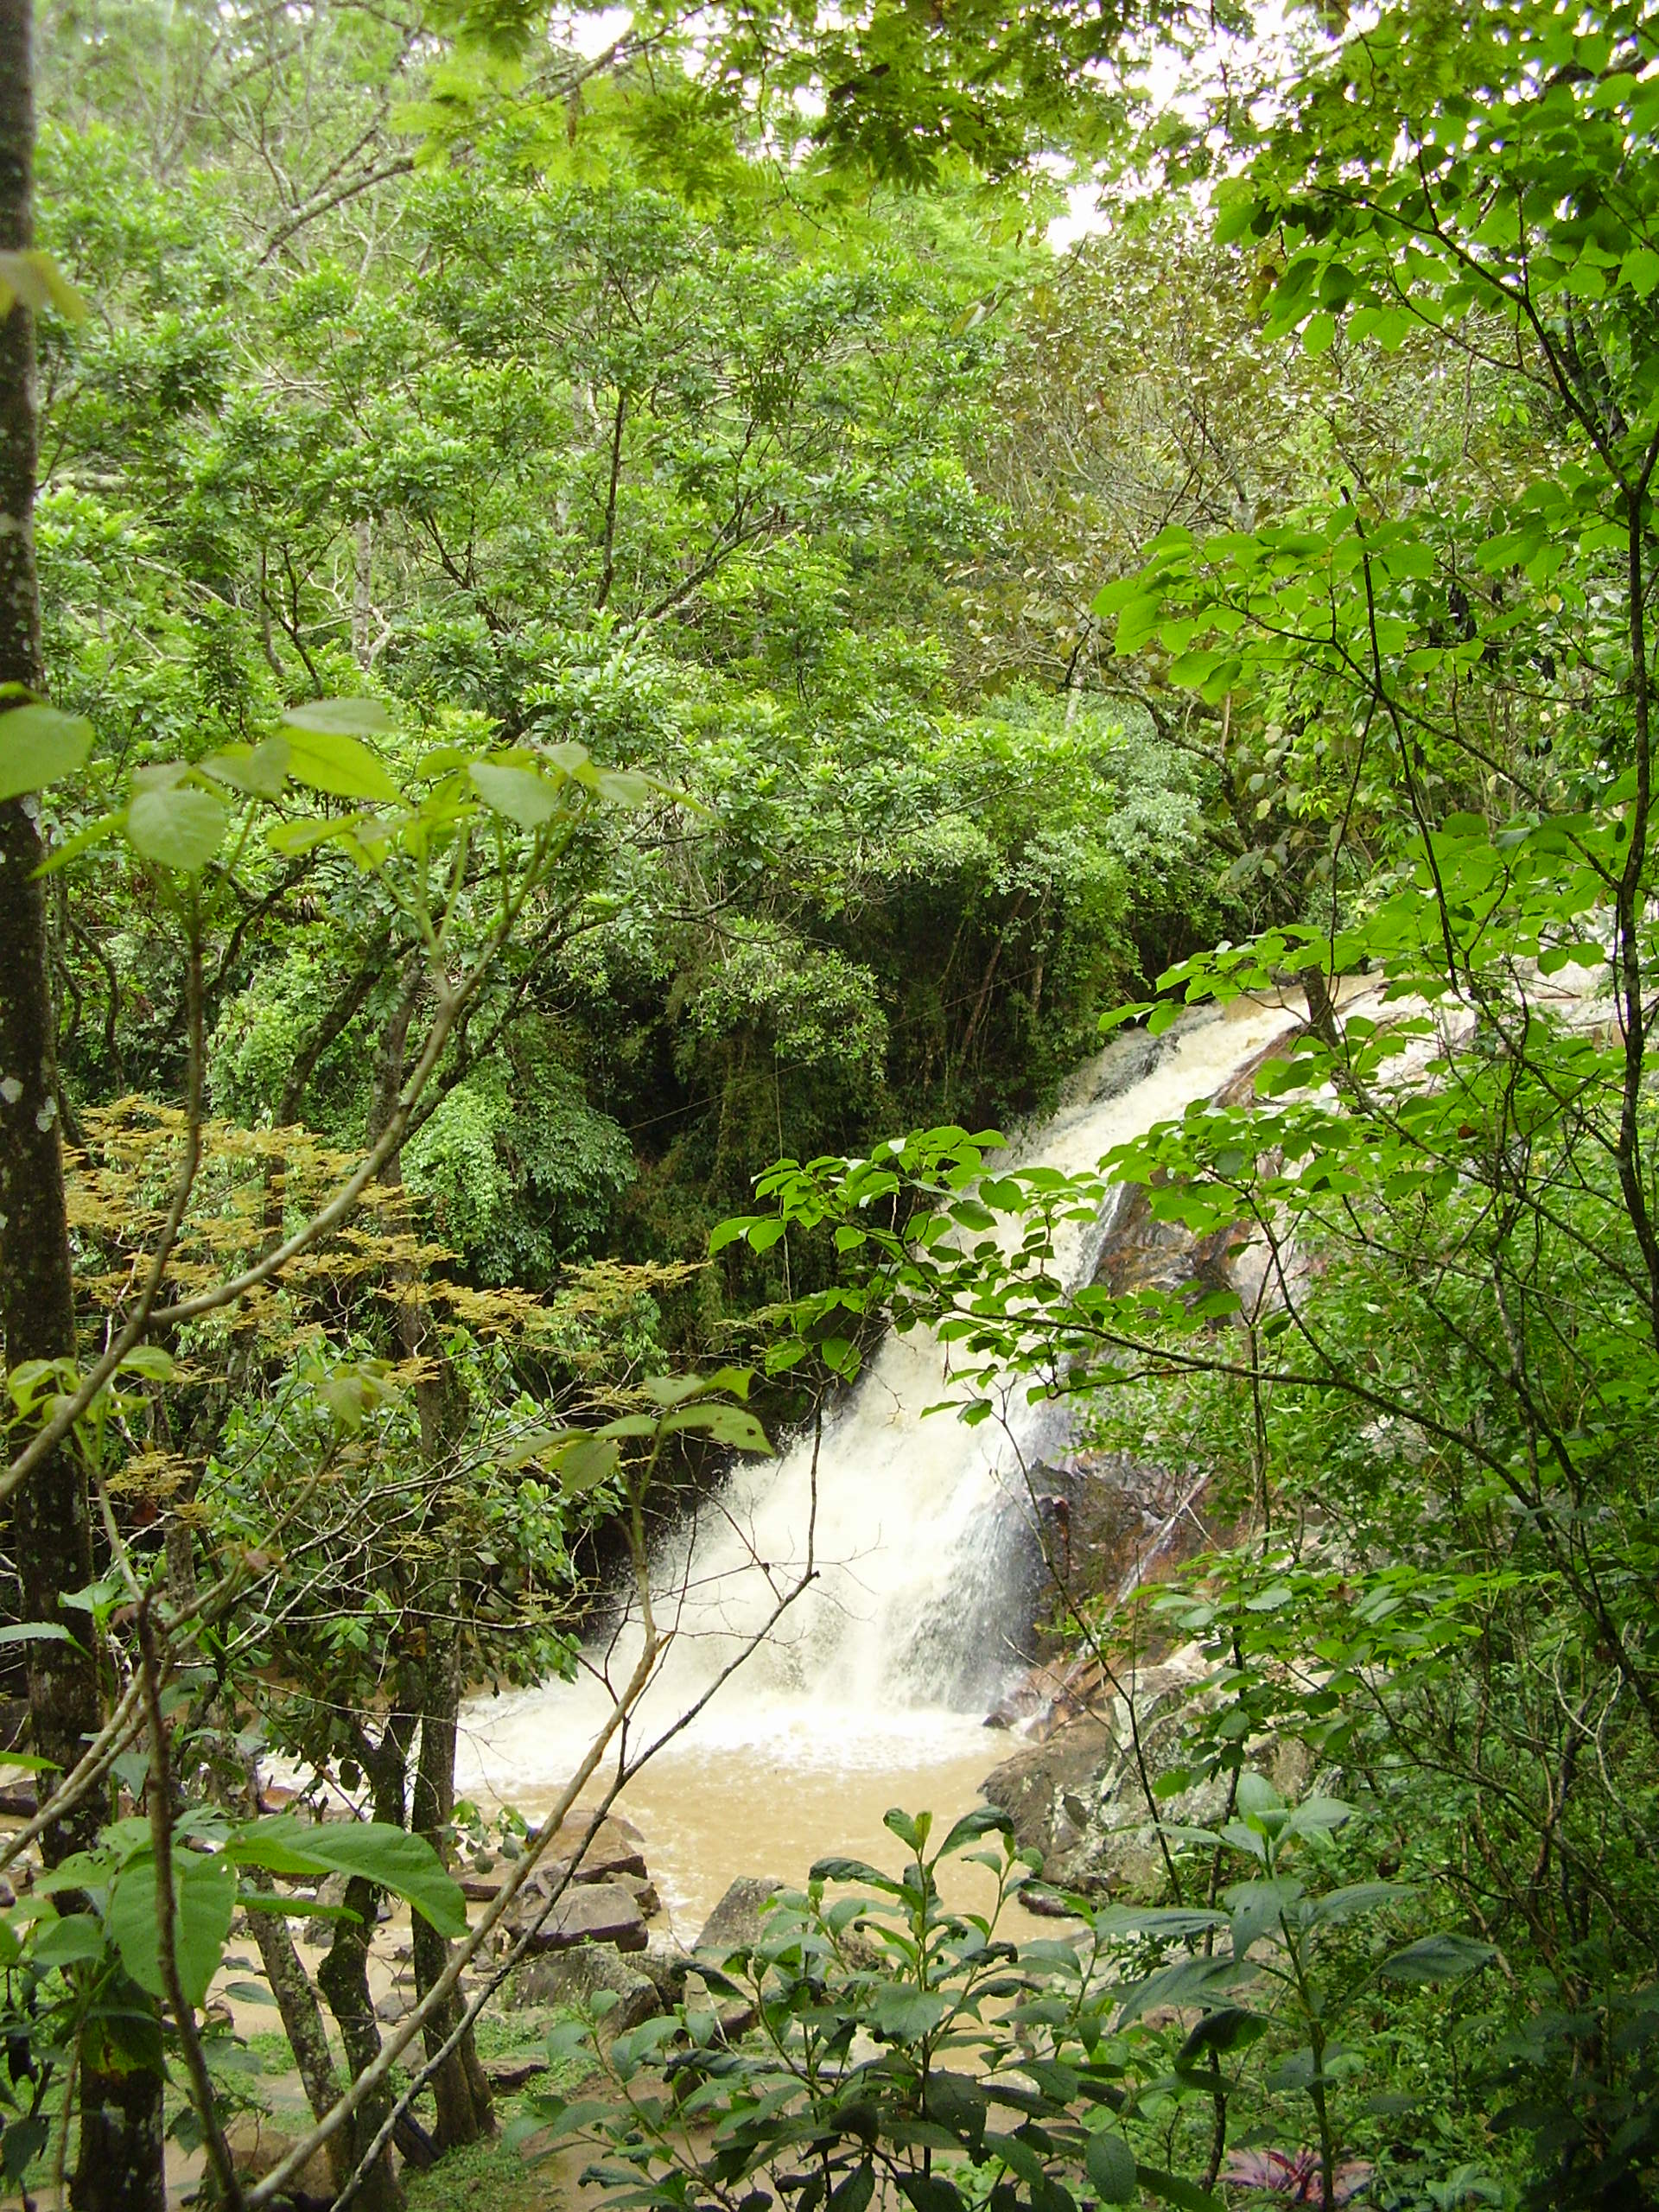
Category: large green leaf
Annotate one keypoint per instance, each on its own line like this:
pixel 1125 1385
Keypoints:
pixel 180 826
pixel 907 2014
pixel 328 754
pixel 260 769
pixel 519 794
pixel 724 1424
pixel 339 717
pixel 204 1889
pixel 1437 1958
pixel 38 747
pixel 1173 2191
pixel 584 1462
pixel 1110 2165
pixel 405 1865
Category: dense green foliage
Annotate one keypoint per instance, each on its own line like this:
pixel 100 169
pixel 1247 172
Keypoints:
pixel 609 621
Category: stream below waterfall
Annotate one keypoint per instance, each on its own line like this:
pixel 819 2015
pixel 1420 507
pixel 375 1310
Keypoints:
pixel 873 1688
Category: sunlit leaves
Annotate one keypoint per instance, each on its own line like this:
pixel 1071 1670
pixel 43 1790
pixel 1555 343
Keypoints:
pixel 39 747
pixel 204 1905
pixel 178 826
pixel 327 751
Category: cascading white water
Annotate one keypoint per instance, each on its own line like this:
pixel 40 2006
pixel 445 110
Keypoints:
pixel 888 1661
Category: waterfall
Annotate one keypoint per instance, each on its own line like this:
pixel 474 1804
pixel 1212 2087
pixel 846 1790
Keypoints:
pixel 913 1624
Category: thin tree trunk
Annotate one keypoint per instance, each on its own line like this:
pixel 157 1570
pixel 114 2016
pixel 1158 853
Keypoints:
pixel 343 1978
pixel 302 2017
pixel 465 2112
pixel 120 2160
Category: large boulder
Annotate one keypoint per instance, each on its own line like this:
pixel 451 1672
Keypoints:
pixel 588 1912
pixel 1079 1796
pixel 616 1853
pixel 735 1921
pixel 1044 1787
pixel 572 1979
pixel 258 2148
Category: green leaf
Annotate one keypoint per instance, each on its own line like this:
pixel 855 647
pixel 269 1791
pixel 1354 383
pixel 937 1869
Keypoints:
pixel 69 1941
pixel 405 1865
pixel 182 826
pixel 984 1820
pixel 34 1632
pixel 329 758
pixel 1230 2028
pixel 95 833
pixel 854 2192
pixel 204 1888
pixel 259 770
pixel 38 747
pixel 853 1870
pixel 519 794
pixel 1173 2191
pixel 928 2193
pixel 624 786
pixel 1437 1958
pixel 583 1462
pixel 150 1361
pixel 1111 2166
pixel 724 1424
pixel 339 717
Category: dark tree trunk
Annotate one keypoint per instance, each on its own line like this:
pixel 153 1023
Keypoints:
pixel 343 1978
pixel 465 2112
pixel 119 2168
pixel 302 2017
pixel 120 2161
pixel 51 1522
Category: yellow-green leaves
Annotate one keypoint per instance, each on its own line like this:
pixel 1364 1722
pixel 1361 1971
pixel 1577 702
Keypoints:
pixel 523 795
pixel 34 279
pixel 326 749
pixel 177 825
pixel 38 747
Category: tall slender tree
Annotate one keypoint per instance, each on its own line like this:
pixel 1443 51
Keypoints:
pixel 120 2158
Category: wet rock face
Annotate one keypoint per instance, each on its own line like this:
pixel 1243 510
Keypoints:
pixel 616 1853
pixel 587 1912
pixel 1079 1795
pixel 574 1978
pixel 1042 1782
pixel 736 1920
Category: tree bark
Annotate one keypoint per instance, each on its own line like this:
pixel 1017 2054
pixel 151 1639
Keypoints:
pixel 343 1978
pixel 465 2110
pixel 119 2168
pixel 52 1521
pixel 302 2017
